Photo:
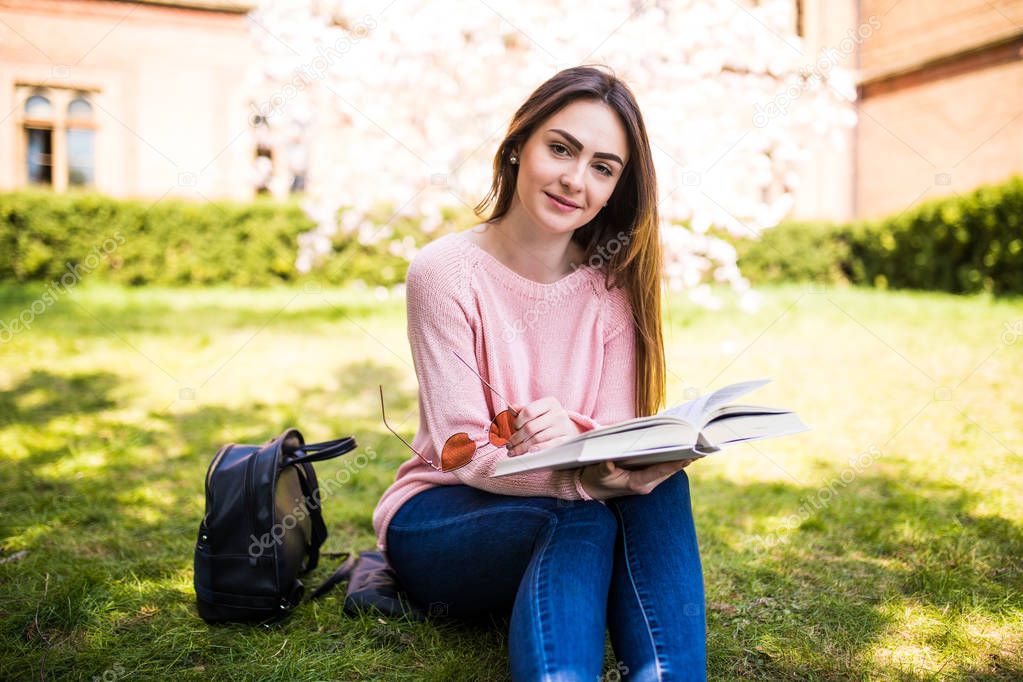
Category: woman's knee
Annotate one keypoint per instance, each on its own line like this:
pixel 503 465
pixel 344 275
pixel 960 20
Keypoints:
pixel 588 518
pixel 670 497
pixel 674 488
pixel 472 561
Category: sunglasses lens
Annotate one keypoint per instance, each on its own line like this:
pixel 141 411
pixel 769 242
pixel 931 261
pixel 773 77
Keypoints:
pixel 458 450
pixel 501 428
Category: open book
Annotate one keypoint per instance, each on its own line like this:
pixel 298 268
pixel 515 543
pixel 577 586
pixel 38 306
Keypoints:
pixel 687 431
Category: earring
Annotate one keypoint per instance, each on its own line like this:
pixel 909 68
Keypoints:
pixel 513 159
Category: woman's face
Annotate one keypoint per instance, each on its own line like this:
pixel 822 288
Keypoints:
pixel 576 155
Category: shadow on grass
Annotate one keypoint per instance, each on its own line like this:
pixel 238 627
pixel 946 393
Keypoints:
pixel 42 396
pixel 819 599
pixel 107 512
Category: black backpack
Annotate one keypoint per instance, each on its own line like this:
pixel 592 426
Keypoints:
pixel 263 528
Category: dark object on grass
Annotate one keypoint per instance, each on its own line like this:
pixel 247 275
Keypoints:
pixel 263 527
pixel 372 587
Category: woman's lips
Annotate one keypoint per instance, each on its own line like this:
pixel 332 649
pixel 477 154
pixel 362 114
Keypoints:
pixel 559 205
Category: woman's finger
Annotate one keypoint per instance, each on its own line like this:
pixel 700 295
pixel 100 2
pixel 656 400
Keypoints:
pixel 540 430
pixel 528 430
pixel 655 473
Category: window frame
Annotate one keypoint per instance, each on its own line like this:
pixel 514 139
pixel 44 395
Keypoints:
pixel 60 98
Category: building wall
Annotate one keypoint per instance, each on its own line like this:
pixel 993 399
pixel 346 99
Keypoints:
pixel 915 31
pixel 167 85
pixel 922 137
pixel 940 105
pixel 941 100
pixel 825 189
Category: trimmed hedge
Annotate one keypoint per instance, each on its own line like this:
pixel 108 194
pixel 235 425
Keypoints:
pixel 63 237
pixel 44 236
pixel 960 244
pixel 796 251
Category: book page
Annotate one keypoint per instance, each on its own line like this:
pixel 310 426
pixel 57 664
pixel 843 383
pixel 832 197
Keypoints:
pixel 697 411
pixel 754 427
pixel 688 411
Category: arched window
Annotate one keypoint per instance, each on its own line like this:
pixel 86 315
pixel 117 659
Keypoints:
pixel 39 134
pixel 81 142
pixel 38 106
pixel 60 136
pixel 79 108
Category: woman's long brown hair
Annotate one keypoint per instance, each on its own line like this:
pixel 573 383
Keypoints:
pixel 632 209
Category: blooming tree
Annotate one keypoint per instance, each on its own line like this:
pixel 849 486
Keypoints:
pixel 407 102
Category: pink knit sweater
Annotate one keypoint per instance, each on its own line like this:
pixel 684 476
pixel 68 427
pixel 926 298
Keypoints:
pixel 571 339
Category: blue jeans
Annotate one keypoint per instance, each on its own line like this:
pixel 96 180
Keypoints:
pixel 564 570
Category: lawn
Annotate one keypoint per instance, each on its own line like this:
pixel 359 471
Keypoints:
pixel 885 543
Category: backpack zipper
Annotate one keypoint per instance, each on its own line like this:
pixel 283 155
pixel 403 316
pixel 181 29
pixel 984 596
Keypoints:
pixel 213 466
pixel 250 491
pixel 209 480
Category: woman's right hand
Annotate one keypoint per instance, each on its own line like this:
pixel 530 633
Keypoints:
pixel 604 479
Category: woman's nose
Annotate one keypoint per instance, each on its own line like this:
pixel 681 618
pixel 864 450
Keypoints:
pixel 573 180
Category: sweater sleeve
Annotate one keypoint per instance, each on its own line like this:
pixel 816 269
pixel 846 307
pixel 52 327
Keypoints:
pixel 452 399
pixel 617 392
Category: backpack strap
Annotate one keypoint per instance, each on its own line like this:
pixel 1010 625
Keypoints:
pixel 306 478
pixel 340 574
pixel 372 587
pixel 329 449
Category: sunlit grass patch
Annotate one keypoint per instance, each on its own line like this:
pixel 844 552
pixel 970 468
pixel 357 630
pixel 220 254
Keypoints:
pixel 885 543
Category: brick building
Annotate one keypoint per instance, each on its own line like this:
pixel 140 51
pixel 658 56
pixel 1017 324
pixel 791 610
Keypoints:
pixel 940 100
pixel 130 98
pixel 149 99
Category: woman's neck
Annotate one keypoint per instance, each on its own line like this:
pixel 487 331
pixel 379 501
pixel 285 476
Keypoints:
pixel 541 257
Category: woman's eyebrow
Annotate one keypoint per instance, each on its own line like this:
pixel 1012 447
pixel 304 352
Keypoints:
pixel 579 147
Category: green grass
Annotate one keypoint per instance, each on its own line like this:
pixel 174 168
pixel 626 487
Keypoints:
pixel 904 564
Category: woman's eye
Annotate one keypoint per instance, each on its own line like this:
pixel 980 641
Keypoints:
pixel 559 148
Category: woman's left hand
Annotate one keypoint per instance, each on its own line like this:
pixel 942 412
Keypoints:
pixel 540 424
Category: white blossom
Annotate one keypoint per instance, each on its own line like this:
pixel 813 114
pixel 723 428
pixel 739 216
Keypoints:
pixel 405 103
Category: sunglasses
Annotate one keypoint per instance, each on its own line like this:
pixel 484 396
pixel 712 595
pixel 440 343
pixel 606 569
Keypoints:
pixel 459 449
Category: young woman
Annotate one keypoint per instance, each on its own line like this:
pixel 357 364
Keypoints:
pixel 552 304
